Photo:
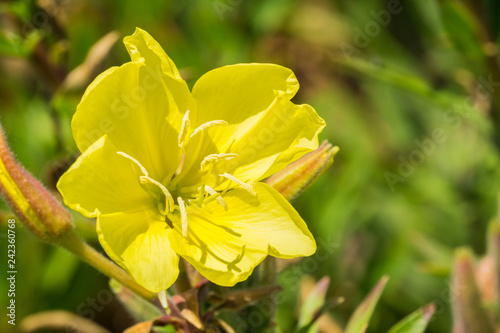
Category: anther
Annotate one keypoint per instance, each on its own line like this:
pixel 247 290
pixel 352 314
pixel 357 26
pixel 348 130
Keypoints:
pixel 219 199
pixel 184 221
pixel 169 200
pixel 245 186
pixel 216 158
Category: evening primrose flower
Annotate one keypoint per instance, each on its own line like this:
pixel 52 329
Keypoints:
pixel 170 172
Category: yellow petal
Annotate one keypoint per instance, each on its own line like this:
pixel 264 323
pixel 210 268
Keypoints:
pixel 225 246
pixel 265 129
pixel 142 45
pixel 139 243
pixel 237 92
pixel 139 105
pixel 101 181
pixel 285 133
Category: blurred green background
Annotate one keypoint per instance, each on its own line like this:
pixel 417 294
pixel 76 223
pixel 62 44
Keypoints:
pixel 410 95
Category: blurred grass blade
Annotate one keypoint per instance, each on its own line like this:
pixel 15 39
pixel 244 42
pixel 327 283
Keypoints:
pixel 13 45
pixel 415 322
pixel 59 320
pixel 469 316
pixel 138 307
pixel 361 317
pixel 462 31
pixel 82 75
pixel 419 87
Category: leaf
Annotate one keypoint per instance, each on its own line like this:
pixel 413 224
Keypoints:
pixel 463 31
pixel 142 327
pixel 313 302
pixel 314 306
pixel 361 317
pixel 141 309
pixel 14 45
pixel 59 319
pixel 81 76
pixel 192 318
pixel 239 299
pixel 420 88
pixel 415 322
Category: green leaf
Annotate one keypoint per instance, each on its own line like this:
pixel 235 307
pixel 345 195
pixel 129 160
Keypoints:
pixel 312 304
pixel 141 309
pixel 361 317
pixel 9 44
pixel 14 45
pixel 415 322
pixel 417 86
pixel 463 31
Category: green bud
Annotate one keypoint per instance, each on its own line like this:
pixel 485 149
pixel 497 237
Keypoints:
pixel 299 175
pixel 40 212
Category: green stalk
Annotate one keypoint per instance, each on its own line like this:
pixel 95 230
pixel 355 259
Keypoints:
pixel 71 242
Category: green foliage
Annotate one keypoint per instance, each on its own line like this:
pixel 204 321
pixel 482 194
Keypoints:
pixel 422 89
pixel 358 323
pixel 415 322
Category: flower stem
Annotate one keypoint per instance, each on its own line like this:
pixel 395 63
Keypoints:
pixel 269 277
pixel 183 282
pixel 71 242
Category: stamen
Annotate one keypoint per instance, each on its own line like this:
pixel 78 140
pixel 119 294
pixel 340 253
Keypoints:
pixel 219 199
pixel 184 221
pixel 245 186
pixel 169 200
pixel 143 169
pixel 181 164
pixel 184 128
pixel 206 125
pixel 216 158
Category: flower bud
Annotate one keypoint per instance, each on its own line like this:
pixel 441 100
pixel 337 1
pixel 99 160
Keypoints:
pixel 494 253
pixel 40 212
pixel 299 175
pixel 469 314
pixel 486 279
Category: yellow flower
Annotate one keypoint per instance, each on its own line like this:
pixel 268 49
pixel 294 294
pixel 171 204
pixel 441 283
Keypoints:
pixel 170 172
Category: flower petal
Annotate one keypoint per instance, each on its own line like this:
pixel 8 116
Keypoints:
pixel 238 92
pixel 225 246
pixel 103 182
pixel 142 45
pixel 285 133
pixel 139 105
pixel 265 129
pixel 139 243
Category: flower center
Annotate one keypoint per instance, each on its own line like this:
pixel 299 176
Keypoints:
pixel 184 197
